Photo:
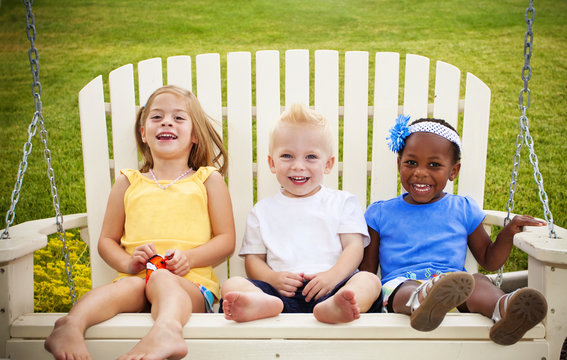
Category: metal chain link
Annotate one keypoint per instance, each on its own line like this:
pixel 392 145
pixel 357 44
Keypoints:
pixel 32 129
pixel 524 135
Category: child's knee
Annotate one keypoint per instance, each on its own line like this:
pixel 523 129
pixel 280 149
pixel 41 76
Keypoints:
pixel 235 283
pixel 369 278
pixel 483 283
pixel 160 276
pixel 132 284
pixel 480 277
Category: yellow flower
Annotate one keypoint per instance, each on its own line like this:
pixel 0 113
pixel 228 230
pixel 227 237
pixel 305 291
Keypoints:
pixel 51 290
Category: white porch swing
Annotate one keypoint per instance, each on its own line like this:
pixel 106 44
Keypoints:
pixel 210 336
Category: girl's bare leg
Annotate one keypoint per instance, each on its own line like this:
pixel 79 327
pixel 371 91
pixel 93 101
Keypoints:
pixel 526 308
pixel 484 296
pixel 67 339
pixel 444 293
pixel 356 296
pixel 242 301
pixel 173 300
pixel 402 296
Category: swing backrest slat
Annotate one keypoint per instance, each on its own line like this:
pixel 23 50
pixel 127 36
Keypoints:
pixel 239 127
pixel 474 139
pixel 296 77
pixel 326 100
pixel 97 171
pixel 446 98
pixel 149 78
pixel 355 143
pixel 248 149
pixel 179 71
pixel 386 108
pixel 123 115
pixel 416 88
pixel 268 108
pixel 209 87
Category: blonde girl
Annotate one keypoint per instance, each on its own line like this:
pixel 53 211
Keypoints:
pixel 176 206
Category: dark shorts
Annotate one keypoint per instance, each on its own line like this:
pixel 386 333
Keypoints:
pixel 297 303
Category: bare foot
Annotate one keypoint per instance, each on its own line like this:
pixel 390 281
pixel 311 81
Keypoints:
pixel 246 306
pixel 164 341
pixel 339 308
pixel 67 341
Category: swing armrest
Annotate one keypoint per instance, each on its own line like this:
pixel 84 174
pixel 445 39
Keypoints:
pixel 535 240
pixel 494 217
pixel 27 237
pixel 16 266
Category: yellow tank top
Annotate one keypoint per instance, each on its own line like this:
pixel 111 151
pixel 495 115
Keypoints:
pixel 175 218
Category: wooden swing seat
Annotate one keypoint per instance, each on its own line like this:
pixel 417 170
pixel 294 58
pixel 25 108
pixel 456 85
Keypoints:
pixel 460 336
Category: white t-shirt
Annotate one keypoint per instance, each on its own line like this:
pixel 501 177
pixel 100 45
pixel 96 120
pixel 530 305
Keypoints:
pixel 301 235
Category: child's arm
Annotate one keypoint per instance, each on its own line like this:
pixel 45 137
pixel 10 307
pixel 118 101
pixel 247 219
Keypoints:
pixel 112 229
pixel 492 255
pixel 221 245
pixel 285 282
pixel 322 283
pixel 371 260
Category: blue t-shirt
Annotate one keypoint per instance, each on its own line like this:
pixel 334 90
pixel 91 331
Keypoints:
pixel 420 241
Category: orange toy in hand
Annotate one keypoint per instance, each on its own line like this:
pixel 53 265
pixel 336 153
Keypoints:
pixel 154 263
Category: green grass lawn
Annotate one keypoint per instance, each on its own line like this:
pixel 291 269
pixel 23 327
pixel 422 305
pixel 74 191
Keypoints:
pixel 78 40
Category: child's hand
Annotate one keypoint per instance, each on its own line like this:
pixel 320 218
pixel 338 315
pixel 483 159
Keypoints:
pixel 319 285
pixel 177 262
pixel 140 256
pixel 287 282
pixel 519 221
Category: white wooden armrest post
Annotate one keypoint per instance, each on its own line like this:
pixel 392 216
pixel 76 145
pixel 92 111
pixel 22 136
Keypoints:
pixel 16 278
pixel 547 271
pixel 16 268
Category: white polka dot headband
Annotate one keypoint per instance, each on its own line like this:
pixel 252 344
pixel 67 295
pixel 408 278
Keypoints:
pixel 400 131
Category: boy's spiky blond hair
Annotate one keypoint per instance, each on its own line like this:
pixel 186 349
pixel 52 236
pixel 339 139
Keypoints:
pixel 299 114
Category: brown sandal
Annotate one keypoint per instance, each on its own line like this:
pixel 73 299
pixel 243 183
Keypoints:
pixel 524 309
pixel 446 292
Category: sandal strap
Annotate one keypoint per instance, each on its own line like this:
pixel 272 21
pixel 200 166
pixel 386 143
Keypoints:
pixel 496 315
pixel 413 301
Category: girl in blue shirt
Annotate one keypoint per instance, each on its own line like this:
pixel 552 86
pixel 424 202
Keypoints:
pixel 420 241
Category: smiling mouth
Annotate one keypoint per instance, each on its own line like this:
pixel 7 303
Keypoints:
pixel 421 187
pixel 166 136
pixel 298 179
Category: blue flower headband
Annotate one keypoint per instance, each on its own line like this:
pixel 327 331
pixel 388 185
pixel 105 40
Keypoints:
pixel 400 131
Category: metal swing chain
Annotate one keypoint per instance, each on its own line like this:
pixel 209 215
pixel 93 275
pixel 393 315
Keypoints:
pixel 32 129
pixel 524 135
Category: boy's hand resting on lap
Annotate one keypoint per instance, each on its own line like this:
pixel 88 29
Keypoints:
pixel 287 283
pixel 319 285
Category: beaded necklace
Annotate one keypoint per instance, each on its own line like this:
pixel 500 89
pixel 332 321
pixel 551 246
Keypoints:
pixel 171 183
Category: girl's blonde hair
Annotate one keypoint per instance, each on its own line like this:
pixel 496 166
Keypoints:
pixel 209 149
pixel 299 114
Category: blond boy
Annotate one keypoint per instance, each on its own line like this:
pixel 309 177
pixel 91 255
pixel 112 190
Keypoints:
pixel 302 247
